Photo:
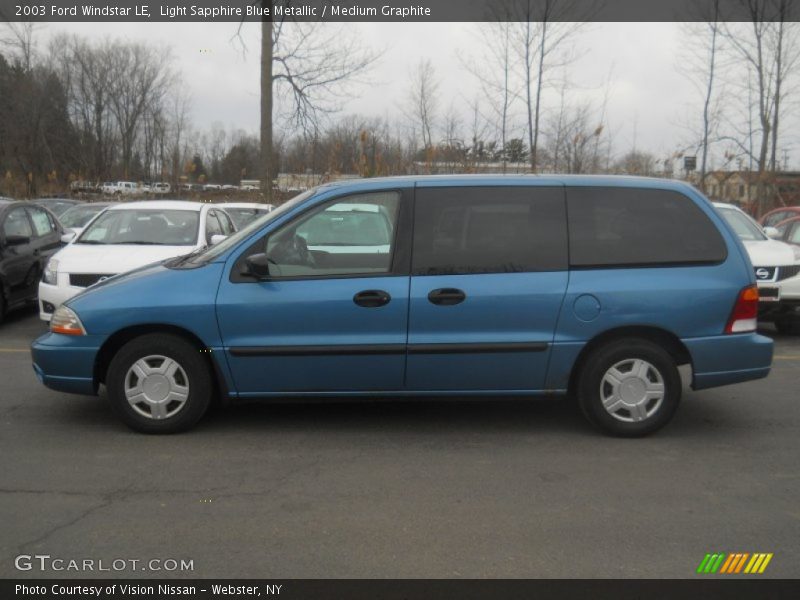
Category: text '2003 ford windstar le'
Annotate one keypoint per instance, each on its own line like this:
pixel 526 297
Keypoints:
pixel 599 287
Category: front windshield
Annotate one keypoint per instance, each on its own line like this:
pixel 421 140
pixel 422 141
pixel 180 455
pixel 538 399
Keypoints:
pixel 744 226
pixel 212 252
pixel 78 216
pixel 143 226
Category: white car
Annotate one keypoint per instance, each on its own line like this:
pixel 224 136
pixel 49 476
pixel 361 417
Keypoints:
pixel 244 213
pixel 777 269
pixel 127 236
pixel 120 188
pixel 161 188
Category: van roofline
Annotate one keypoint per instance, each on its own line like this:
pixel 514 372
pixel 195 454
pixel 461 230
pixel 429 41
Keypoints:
pixel 514 179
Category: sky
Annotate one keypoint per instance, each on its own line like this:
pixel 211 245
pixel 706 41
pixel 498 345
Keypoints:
pixel 635 64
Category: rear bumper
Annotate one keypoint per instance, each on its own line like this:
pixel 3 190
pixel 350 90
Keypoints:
pixel 722 360
pixel 66 363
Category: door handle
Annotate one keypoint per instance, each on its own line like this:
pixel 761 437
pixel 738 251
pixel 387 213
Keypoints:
pixel 446 296
pixel 372 298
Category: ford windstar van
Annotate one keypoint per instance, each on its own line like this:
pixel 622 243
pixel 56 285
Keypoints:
pixel 598 288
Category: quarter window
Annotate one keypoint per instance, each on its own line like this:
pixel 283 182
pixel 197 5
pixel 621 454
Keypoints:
pixel 499 229
pixel 631 227
pixel 350 236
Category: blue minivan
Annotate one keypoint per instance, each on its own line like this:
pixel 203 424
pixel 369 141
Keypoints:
pixel 593 287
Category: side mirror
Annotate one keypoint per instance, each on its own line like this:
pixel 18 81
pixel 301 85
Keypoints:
pixel 772 233
pixel 17 240
pixel 257 265
pixel 68 237
pixel 217 238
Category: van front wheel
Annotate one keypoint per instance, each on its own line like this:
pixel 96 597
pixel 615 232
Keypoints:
pixel 629 388
pixel 159 383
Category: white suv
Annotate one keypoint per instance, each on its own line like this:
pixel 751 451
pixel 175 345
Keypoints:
pixel 120 187
pixel 777 269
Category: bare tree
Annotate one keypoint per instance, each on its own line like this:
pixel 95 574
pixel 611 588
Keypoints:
pixel 88 73
pixel 140 79
pixel 310 67
pixel 178 119
pixel 768 47
pixel 20 40
pixel 574 139
pixel 495 70
pixel 701 65
pixel 423 100
pixel 541 33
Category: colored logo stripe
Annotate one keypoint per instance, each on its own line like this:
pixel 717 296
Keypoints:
pixel 736 562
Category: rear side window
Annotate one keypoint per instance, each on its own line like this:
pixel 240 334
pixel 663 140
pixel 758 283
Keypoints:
pixel 500 229
pixel 631 227
pixel 42 223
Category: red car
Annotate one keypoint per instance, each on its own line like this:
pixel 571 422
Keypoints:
pixel 790 230
pixel 778 215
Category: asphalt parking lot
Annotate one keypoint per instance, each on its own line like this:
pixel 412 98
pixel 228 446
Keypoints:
pixel 492 488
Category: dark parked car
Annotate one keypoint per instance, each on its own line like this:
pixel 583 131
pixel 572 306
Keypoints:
pixel 29 236
pixel 57 205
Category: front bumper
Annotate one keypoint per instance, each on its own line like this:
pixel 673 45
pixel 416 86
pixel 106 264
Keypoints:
pixel 726 359
pixel 66 363
pixel 55 296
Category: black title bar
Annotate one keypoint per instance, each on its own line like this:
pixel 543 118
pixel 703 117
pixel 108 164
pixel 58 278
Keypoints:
pixel 400 589
pixel 145 11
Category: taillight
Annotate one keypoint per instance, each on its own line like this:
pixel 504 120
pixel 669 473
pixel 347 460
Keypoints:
pixel 745 312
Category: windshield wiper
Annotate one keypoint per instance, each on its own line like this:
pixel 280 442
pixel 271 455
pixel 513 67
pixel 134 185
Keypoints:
pixel 179 260
pixel 89 242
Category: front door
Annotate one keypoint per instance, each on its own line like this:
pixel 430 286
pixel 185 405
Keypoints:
pixel 489 274
pixel 333 315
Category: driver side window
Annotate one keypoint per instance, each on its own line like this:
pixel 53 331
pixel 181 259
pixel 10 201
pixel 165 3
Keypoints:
pixel 350 236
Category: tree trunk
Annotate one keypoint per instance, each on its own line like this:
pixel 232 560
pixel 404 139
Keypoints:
pixel 709 91
pixel 540 74
pixel 529 102
pixel 778 81
pixel 267 174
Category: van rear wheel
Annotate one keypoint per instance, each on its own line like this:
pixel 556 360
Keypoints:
pixel 629 388
pixel 159 383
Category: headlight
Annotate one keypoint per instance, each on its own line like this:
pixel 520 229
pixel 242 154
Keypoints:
pixel 50 274
pixel 796 250
pixel 66 321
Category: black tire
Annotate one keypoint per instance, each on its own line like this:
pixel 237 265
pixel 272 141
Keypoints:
pixel 788 325
pixel 659 369
pixel 193 370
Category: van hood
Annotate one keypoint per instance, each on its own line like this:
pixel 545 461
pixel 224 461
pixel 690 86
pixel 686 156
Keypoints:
pixel 769 253
pixel 113 258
